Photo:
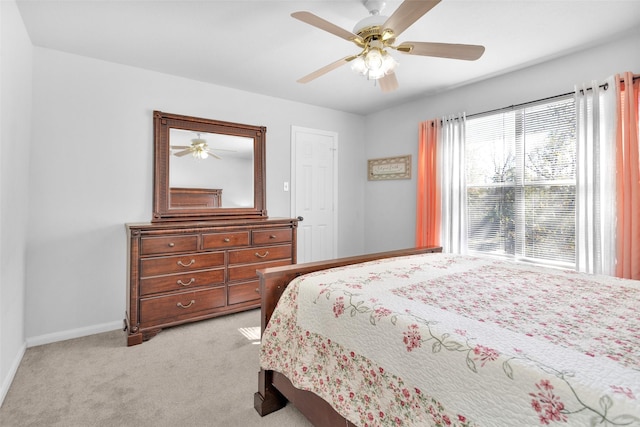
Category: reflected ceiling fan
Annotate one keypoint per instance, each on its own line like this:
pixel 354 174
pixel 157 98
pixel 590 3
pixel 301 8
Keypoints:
pixel 198 149
pixel 377 33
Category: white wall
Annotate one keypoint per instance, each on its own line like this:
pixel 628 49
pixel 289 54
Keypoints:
pixel 390 205
pixel 91 172
pixel 15 117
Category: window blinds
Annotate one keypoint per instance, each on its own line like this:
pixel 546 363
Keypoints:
pixel 521 182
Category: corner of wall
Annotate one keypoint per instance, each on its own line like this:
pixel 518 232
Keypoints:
pixel 11 374
pixel 16 69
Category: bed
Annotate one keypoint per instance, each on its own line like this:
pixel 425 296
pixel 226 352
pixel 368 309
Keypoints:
pixel 423 338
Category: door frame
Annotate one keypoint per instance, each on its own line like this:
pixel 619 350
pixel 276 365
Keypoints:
pixel 292 187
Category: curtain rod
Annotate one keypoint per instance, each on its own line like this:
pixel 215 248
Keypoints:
pixel 511 107
pixel 604 86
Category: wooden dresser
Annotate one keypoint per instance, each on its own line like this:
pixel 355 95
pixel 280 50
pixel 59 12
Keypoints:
pixel 182 272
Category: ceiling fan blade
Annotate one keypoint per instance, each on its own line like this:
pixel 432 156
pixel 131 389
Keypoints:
pixel 468 52
pixel 180 147
pixel 316 21
pixel 408 13
pixel 325 69
pixel 388 83
pixel 212 154
pixel 183 152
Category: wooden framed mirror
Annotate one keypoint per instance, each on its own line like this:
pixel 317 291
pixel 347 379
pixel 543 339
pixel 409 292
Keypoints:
pixel 207 169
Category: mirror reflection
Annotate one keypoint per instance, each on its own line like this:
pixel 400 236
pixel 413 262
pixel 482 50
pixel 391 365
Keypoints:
pixel 210 170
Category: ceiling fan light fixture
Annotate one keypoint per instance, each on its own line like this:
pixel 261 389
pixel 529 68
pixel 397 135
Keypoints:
pixel 374 64
pixel 358 66
pixel 373 60
pixel 199 148
pixel 200 154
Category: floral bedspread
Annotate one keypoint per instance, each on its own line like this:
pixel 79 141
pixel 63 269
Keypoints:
pixel 440 339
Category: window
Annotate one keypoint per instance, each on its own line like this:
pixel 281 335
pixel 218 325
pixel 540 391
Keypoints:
pixel 521 182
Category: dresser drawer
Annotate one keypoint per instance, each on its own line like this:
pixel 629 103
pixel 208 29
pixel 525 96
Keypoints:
pixel 225 240
pixel 244 292
pixel 248 271
pixel 176 306
pixel 175 282
pixel 261 237
pixel 180 263
pixel 266 253
pixel 170 244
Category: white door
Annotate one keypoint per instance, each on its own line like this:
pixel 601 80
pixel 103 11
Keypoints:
pixel 313 192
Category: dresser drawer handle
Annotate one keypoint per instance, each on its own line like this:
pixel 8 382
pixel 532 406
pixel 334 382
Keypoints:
pixel 262 256
pixel 273 236
pixel 226 240
pixel 180 282
pixel 186 306
pixel 171 244
pixel 180 263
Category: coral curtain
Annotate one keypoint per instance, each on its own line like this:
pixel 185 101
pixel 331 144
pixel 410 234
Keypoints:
pixel 628 178
pixel 595 184
pixel 441 217
pixel 428 196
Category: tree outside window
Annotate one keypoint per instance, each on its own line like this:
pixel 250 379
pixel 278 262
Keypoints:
pixel 521 177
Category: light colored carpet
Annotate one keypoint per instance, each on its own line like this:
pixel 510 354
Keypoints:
pixel 201 374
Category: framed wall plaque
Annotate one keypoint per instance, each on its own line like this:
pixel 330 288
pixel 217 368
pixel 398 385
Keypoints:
pixel 389 168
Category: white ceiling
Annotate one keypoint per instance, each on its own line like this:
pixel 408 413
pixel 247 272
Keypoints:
pixel 256 46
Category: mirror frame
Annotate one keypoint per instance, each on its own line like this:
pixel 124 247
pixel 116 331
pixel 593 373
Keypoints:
pixel 162 211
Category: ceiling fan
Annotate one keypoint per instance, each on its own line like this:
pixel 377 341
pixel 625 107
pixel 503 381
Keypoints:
pixel 198 149
pixel 377 33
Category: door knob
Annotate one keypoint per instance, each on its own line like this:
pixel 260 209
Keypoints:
pixel 300 218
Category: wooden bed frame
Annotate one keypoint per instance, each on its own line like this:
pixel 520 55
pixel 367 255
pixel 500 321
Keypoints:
pixel 274 388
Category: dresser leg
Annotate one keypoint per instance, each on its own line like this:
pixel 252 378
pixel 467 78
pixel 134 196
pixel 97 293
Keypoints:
pixel 134 339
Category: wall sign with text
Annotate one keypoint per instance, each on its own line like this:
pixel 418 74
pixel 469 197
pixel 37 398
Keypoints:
pixel 390 168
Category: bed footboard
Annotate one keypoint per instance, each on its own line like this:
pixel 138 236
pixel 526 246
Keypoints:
pixel 274 389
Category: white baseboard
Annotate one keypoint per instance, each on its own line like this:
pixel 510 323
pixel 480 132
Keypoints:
pixel 73 333
pixel 11 374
